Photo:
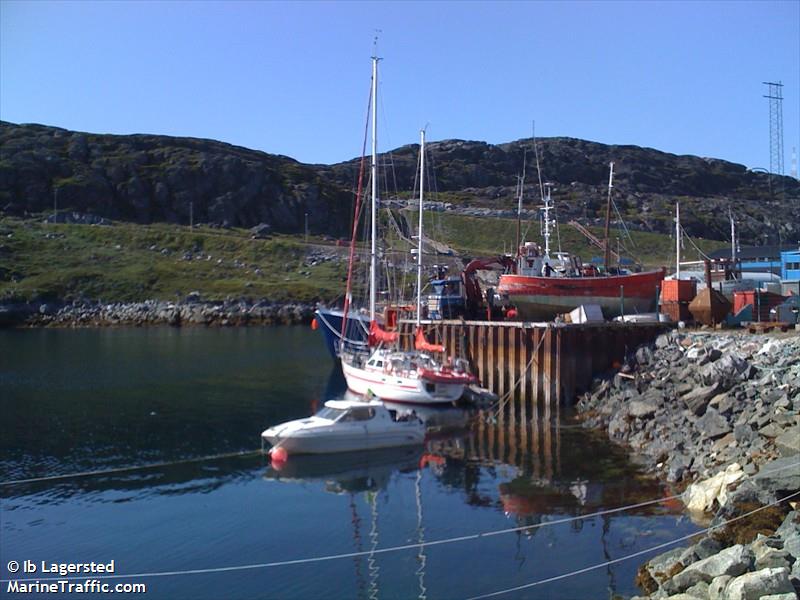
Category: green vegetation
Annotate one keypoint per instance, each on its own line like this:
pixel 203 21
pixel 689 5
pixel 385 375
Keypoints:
pixel 484 237
pixel 127 262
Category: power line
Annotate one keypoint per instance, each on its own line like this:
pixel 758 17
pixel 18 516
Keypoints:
pixel 416 546
pixel 632 555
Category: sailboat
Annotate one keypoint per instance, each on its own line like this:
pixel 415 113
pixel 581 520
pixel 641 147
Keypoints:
pixel 545 285
pixel 410 376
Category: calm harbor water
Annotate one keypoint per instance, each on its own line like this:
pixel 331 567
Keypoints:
pixel 84 400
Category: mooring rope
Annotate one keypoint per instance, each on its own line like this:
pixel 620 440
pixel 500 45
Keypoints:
pixel 339 334
pixel 463 538
pixel 131 468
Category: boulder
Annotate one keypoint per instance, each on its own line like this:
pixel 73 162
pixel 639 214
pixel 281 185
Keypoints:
pixel 697 399
pixel 716 590
pixel 756 585
pixel 788 442
pixel 712 425
pixel 698 590
pixel 744 434
pixel 779 476
pixel 662 565
pixel 731 561
pixel 642 409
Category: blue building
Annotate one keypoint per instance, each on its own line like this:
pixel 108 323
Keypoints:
pixel 790 265
pixel 762 259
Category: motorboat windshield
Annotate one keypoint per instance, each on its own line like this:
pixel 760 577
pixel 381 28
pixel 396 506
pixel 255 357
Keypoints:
pixel 331 414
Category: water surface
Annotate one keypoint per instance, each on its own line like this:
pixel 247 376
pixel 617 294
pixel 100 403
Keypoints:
pixel 83 400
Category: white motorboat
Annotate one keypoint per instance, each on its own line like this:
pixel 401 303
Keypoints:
pixel 345 426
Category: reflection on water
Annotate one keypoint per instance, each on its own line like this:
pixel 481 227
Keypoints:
pixel 348 471
pixel 477 472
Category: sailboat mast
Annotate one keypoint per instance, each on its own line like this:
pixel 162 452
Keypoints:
pixel 374 200
pixel 607 257
pixel 519 202
pixel 419 229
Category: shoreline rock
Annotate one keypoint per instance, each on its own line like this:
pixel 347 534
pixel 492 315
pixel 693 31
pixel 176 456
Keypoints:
pixel 191 311
pixel 719 412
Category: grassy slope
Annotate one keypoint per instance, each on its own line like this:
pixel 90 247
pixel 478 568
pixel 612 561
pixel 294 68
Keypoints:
pixel 485 237
pixel 116 263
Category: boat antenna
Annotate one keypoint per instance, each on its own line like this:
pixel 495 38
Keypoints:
pixel 546 208
pixel 607 257
pixel 419 229
pixel 536 152
pixel 521 188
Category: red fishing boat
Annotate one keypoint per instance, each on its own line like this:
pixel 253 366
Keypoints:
pixel 545 285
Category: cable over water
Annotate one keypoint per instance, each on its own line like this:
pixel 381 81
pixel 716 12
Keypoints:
pixel 372 552
pixel 157 465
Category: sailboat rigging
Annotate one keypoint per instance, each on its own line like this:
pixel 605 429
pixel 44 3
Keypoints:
pixel 412 376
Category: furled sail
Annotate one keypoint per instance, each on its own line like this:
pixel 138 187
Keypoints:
pixel 420 343
pixel 379 335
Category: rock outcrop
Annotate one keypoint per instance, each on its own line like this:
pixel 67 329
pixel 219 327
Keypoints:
pixel 722 411
pixel 697 402
pixel 146 178
pixel 481 179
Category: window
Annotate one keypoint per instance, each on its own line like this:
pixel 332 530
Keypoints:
pixel 359 414
pixel 330 413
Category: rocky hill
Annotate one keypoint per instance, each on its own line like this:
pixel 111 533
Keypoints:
pixel 149 178
pixel 146 178
pixel 647 183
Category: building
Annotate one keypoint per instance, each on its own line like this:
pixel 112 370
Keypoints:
pixel 763 259
pixel 790 265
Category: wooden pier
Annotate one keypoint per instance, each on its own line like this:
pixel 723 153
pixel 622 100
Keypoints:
pixel 539 365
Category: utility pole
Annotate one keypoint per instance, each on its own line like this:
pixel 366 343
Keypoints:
pixel 191 214
pixel 305 227
pixel 55 206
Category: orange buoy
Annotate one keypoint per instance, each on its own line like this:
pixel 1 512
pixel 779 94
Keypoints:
pixel 278 454
pixel 314 324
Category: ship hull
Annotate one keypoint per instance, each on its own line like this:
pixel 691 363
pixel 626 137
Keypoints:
pixel 542 298
pixel 330 322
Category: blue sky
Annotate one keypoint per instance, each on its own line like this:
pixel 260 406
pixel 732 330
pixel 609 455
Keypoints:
pixel 293 77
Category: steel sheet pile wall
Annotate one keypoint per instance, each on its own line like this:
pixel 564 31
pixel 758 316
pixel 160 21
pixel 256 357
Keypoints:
pixel 540 365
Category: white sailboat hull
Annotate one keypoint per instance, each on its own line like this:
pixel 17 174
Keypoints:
pixel 398 388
